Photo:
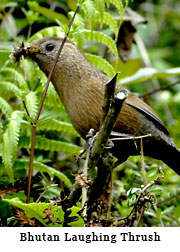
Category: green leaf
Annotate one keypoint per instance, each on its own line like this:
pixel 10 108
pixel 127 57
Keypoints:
pixel 89 12
pixel 53 145
pixel 108 20
pixel 47 12
pixel 40 167
pixel 10 142
pixel 47 214
pixel 119 5
pixel 177 212
pixel 53 124
pixel 148 73
pixel 102 38
pixel 133 190
pixel 48 32
pixel 7 156
pixel 127 69
pixel 5 209
pixel 56 214
pixel 32 210
pixel 5 107
pixel 1 131
pixel 31 16
pixel 78 222
pixel 168 210
pixel 9 73
pixel 32 103
pixel 8 86
pixel 101 63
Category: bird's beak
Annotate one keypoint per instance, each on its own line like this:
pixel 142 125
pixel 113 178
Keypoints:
pixel 23 51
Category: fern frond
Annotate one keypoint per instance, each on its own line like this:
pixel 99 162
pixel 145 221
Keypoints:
pixel 24 164
pixel 48 32
pixel 10 142
pixel 7 156
pixel 11 74
pixel 89 12
pixel 119 5
pixel 13 129
pixel 34 76
pixel 8 86
pixel 53 145
pixel 5 107
pixel 49 145
pixel 101 64
pixel 31 103
pixel 126 3
pixel 59 126
pixel 52 96
pixel 77 27
pixel 102 38
pixel 108 20
pixel 1 132
pixel 100 4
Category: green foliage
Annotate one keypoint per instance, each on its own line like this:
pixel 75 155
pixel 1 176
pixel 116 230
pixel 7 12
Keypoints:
pixel 5 107
pixel 46 214
pixel 5 209
pixel 145 74
pixel 101 38
pixel 47 12
pixel 56 125
pixel 48 32
pixel 101 63
pixel 95 31
pixel 10 142
pixel 40 167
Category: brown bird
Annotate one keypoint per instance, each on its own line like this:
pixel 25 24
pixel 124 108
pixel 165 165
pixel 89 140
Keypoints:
pixel 81 89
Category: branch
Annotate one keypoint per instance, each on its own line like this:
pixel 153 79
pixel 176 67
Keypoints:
pixel 99 156
pixel 114 104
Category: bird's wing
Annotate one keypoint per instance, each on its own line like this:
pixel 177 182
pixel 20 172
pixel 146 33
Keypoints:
pixel 143 108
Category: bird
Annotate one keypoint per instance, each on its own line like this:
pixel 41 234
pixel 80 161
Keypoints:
pixel 80 87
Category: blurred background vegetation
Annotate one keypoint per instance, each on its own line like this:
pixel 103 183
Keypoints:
pixel 150 62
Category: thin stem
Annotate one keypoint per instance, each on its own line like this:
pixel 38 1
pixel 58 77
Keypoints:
pixel 25 107
pixel 31 161
pixel 40 108
pixel 160 88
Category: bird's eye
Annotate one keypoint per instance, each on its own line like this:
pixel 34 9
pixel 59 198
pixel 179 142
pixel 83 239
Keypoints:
pixel 49 47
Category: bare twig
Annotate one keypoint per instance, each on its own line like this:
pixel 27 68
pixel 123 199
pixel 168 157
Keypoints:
pixel 130 137
pixel 142 163
pixel 159 89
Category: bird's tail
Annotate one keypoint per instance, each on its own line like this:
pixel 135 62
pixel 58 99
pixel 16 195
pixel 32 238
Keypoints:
pixel 172 158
